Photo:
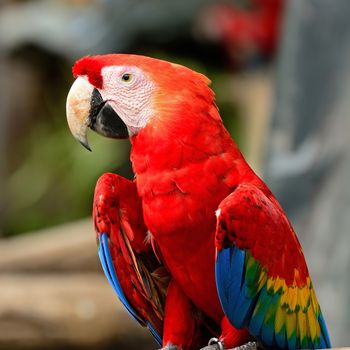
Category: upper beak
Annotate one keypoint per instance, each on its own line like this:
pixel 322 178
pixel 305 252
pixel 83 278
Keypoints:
pixel 86 108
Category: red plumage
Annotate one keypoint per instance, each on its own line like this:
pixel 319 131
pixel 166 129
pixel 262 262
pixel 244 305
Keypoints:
pixel 186 167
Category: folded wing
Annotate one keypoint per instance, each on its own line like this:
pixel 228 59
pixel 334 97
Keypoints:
pixel 126 256
pixel 261 274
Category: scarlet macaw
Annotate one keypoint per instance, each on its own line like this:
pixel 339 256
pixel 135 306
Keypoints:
pixel 196 246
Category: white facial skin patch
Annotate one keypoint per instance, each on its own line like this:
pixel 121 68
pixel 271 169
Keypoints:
pixel 129 92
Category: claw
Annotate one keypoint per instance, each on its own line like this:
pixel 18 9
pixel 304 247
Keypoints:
pixel 214 344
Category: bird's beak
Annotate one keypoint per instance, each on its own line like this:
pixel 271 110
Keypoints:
pixel 86 108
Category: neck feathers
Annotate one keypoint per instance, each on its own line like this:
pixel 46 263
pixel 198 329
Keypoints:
pixel 191 136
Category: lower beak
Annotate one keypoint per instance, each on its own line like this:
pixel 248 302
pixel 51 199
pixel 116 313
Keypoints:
pixel 86 108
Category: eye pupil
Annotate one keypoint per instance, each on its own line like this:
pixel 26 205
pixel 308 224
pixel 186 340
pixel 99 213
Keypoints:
pixel 126 77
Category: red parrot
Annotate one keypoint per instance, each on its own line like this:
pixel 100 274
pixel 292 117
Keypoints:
pixel 196 247
pixel 245 32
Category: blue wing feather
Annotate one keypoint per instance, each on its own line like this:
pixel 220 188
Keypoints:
pixel 108 268
pixel 156 336
pixel 281 338
pixel 292 342
pixel 256 312
pixel 229 268
pixel 243 310
pixel 222 270
pixel 325 340
pixel 237 257
pixel 257 319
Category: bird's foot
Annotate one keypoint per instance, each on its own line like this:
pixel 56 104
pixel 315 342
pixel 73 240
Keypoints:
pixel 216 344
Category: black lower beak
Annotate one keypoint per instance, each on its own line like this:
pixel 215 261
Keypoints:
pixel 104 119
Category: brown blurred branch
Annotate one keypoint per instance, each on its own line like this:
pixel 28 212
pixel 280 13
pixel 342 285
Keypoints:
pixel 53 295
pixel 69 247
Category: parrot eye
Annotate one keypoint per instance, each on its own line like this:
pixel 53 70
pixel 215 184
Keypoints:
pixel 126 77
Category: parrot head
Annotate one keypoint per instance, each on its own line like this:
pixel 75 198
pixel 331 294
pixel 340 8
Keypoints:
pixel 117 95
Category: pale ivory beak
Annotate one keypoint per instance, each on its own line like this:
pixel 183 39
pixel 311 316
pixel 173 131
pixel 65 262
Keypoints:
pixel 78 109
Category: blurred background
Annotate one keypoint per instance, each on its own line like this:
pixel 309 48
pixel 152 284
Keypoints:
pixel 281 73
